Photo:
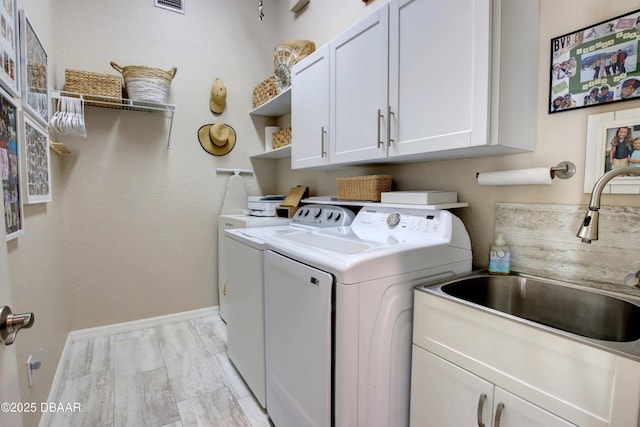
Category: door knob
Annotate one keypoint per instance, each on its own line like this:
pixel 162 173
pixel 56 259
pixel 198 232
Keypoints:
pixel 10 324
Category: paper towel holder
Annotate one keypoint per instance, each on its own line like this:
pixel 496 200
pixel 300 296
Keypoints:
pixel 564 170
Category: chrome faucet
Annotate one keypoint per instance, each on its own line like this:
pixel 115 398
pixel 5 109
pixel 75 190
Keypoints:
pixel 589 229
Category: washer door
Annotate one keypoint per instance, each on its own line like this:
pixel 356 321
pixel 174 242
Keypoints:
pixel 298 342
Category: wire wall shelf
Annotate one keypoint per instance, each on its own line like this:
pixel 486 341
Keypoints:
pixel 125 104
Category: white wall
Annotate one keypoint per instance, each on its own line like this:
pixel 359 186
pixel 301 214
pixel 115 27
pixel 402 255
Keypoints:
pixel 140 219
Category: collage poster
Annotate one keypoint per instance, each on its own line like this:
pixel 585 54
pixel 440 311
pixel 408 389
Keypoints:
pixel 596 65
pixel 10 168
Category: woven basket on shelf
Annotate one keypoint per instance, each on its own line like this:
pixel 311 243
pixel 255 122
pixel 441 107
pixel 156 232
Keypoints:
pixel 265 90
pixel 146 83
pixel 281 138
pixel 363 187
pixel 86 82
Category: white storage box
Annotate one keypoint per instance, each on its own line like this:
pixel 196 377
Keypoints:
pixel 419 197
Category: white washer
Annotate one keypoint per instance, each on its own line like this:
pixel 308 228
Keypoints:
pixel 245 291
pixel 338 314
pixel 227 222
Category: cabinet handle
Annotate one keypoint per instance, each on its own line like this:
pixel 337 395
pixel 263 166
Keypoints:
pixel 323 132
pixel 389 114
pixel 481 400
pixel 499 409
pixel 380 116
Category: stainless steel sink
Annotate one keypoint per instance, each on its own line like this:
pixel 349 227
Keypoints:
pixel 611 321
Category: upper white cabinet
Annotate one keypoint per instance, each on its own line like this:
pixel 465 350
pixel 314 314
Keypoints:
pixel 419 80
pixel 439 75
pixel 310 117
pixel 358 81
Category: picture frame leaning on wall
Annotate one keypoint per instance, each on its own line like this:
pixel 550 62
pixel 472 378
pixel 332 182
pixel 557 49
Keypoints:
pixel 610 144
pixel 596 65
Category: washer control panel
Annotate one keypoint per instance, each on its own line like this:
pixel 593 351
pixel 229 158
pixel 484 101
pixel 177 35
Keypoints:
pixel 402 225
pixel 322 216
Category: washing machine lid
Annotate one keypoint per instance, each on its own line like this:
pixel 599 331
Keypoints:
pixel 244 221
pixel 380 242
pixel 256 237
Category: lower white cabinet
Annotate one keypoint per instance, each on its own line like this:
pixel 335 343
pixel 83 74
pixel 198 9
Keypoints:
pixel 443 394
pixel 537 377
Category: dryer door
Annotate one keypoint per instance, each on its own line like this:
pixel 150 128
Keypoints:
pixel 298 327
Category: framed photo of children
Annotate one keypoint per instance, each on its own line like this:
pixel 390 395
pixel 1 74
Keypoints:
pixel 596 65
pixel 613 141
pixel 37 164
pixel 9 47
pixel 33 63
pixel 10 167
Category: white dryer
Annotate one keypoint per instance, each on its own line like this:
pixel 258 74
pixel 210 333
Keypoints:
pixel 338 314
pixel 244 251
pixel 228 222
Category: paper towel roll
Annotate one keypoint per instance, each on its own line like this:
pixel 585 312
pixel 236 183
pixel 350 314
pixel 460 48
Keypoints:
pixel 533 176
pixel 268 137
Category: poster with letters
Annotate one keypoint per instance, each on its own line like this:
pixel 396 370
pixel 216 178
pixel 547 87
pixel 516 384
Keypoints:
pixel 596 65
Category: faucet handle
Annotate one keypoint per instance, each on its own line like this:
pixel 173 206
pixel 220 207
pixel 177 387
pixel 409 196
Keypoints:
pixel 10 324
pixel 632 279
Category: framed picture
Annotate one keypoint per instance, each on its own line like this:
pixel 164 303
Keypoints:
pixel 37 162
pixel 33 63
pixel 10 167
pixel 9 47
pixel 596 65
pixel 613 140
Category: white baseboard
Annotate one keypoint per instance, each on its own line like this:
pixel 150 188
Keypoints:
pixel 117 328
pixel 150 322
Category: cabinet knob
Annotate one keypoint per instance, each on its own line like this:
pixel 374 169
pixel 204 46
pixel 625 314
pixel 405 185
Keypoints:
pixel 11 323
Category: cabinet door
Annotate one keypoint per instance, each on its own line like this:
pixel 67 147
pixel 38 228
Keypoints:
pixel 310 110
pixel 359 78
pixel 439 74
pixel 515 412
pixel 443 394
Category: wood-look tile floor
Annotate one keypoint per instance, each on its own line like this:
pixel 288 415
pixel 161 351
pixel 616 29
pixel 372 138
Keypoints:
pixel 174 375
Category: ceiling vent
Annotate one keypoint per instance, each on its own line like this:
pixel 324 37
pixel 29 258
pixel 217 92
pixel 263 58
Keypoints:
pixel 173 5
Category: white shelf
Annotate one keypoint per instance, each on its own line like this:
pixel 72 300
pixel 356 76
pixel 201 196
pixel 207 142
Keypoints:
pixel 328 200
pixel 278 153
pixel 116 103
pixel 276 106
pixel 121 104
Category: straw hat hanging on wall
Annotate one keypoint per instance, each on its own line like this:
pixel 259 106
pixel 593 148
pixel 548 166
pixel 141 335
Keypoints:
pixel 217 139
pixel 218 97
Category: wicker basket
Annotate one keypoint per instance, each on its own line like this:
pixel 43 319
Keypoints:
pixel 89 83
pixel 363 187
pixel 264 91
pixel 281 138
pixel 146 83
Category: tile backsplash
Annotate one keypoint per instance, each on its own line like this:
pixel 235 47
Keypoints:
pixel 543 242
